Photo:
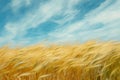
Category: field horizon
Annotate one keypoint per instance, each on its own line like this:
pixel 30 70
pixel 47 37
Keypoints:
pixel 89 61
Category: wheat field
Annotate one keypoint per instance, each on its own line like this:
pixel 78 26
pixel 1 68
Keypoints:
pixel 88 61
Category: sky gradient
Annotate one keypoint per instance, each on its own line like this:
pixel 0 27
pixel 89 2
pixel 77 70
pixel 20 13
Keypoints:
pixel 26 22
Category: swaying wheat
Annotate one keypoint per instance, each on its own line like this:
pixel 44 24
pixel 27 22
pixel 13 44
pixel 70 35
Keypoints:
pixel 89 61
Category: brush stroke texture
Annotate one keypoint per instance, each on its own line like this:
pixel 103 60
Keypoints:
pixel 26 22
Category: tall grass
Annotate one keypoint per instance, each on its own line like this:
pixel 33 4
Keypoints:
pixel 89 61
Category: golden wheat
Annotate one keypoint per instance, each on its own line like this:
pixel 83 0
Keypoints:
pixel 89 61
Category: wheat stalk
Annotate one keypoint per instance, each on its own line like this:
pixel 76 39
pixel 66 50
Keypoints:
pixel 89 61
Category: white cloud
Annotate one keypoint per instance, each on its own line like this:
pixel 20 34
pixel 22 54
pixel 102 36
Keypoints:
pixel 34 18
pixel 106 14
pixel 17 4
pixel 69 12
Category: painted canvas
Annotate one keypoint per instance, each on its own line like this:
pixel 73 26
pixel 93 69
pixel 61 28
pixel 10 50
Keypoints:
pixel 59 39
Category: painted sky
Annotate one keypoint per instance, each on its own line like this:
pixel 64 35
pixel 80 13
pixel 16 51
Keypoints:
pixel 25 22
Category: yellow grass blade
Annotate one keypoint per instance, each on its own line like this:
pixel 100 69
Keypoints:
pixel 88 61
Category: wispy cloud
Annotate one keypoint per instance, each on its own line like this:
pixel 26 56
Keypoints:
pixel 101 22
pixel 41 14
pixel 106 18
pixel 17 4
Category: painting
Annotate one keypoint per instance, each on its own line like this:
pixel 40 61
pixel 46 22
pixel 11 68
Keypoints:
pixel 59 39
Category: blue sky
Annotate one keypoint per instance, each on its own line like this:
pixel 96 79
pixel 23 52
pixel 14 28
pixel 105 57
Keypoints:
pixel 26 22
